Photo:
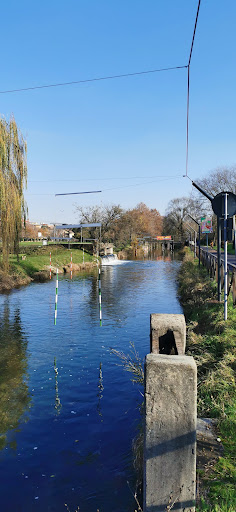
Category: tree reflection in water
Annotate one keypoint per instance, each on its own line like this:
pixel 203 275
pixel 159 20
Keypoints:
pixel 14 393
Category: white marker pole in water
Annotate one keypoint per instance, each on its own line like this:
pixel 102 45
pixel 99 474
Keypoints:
pixel 56 297
pixel 71 265
pixel 100 296
pixel 50 265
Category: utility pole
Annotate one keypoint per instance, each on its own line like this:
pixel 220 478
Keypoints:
pixel 225 258
pixel 195 237
pixel 219 258
pixel 199 234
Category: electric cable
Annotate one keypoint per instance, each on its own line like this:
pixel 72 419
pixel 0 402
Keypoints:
pixel 76 193
pixel 111 77
pixel 194 32
pixel 139 184
pixel 115 188
pixel 108 189
pixel 188 86
pixel 98 79
pixel 105 179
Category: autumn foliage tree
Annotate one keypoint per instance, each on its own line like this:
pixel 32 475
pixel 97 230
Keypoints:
pixel 146 221
pixel 121 226
pixel 13 177
pixel 30 230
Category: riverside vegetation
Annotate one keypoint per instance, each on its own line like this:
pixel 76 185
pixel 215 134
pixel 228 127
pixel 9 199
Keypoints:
pixel 210 340
pixel 212 343
pixel 33 264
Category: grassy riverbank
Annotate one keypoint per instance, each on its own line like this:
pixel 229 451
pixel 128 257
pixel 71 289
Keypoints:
pixel 212 342
pixel 35 265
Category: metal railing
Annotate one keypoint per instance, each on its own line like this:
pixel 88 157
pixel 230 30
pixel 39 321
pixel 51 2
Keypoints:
pixel 210 262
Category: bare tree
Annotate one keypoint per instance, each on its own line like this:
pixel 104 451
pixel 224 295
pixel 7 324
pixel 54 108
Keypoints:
pixel 219 180
pixel 175 220
pixel 176 214
pixel 108 216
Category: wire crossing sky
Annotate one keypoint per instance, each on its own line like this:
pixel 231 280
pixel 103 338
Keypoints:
pixel 98 79
pixel 134 74
pixel 188 86
pixel 128 121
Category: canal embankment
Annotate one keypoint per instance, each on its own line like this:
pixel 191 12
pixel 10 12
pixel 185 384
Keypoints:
pixel 34 262
pixel 212 343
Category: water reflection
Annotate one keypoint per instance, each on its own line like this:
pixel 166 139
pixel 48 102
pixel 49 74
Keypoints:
pixel 14 393
pixel 120 294
pixel 79 453
pixel 165 257
pixel 116 291
pixel 100 392
pixel 57 398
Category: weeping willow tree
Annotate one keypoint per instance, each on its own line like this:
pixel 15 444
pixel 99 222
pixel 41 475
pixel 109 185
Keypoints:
pixel 13 179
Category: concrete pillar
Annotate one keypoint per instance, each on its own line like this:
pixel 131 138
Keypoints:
pixel 170 433
pixel 164 327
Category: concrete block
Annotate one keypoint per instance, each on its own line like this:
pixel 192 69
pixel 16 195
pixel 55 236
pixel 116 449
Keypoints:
pixel 167 331
pixel 170 433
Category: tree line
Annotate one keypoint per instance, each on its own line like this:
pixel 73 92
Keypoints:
pixel 119 226
pixel 122 227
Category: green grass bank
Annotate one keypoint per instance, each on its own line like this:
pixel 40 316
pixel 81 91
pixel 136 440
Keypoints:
pixel 212 343
pixel 34 264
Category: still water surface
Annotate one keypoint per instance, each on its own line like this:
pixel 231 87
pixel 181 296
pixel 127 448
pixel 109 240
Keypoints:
pixel 67 425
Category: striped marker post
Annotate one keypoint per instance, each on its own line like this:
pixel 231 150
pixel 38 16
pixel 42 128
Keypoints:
pixel 56 297
pixel 100 296
pixel 71 265
pixel 50 275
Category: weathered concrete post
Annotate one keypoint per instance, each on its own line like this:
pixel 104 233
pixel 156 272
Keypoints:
pixel 168 331
pixel 170 433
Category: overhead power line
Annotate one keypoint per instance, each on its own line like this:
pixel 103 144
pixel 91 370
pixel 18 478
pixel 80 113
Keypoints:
pixel 105 179
pixel 76 193
pixel 139 184
pixel 109 189
pixel 114 188
pixel 188 83
pixel 194 32
pixel 87 80
pixel 124 75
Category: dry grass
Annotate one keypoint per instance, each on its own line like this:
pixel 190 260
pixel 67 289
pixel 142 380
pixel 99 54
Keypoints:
pixel 131 363
pixel 7 282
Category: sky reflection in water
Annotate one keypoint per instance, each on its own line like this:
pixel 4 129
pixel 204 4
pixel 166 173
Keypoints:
pixel 68 413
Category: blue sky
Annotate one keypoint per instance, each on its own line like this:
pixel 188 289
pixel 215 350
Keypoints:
pixel 127 136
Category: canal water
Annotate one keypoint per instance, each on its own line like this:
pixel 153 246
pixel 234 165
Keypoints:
pixel 68 411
